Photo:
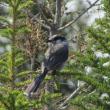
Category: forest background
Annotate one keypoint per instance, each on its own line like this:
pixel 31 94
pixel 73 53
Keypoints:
pixel 84 83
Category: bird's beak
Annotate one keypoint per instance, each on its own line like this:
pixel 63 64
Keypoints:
pixel 49 40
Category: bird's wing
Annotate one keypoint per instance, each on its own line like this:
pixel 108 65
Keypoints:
pixel 56 59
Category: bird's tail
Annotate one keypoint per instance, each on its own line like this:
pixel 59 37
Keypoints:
pixel 32 88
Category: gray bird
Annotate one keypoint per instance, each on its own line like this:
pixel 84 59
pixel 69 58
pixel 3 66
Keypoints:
pixel 55 58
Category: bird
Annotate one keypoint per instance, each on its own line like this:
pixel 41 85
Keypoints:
pixel 55 58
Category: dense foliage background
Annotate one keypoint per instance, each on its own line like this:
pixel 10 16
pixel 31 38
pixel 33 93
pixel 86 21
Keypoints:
pixel 83 84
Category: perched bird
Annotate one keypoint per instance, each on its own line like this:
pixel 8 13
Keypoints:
pixel 55 57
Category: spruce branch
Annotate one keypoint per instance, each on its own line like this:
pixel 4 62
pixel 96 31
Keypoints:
pixel 13 47
pixel 3 101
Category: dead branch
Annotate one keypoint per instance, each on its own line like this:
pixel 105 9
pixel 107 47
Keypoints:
pixel 44 17
pixel 80 15
pixel 89 2
pixel 35 18
pixel 50 10
pixel 58 13
pixel 71 95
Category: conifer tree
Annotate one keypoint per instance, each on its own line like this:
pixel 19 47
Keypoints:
pixel 92 66
pixel 12 79
pixel 89 65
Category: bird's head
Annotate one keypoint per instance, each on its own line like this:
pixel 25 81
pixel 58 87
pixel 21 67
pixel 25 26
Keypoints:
pixel 56 39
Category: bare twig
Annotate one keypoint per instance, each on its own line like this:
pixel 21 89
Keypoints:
pixel 40 6
pixel 80 15
pixel 50 10
pixel 44 17
pixel 35 18
pixel 58 13
pixel 2 26
pixel 71 95
pixel 89 2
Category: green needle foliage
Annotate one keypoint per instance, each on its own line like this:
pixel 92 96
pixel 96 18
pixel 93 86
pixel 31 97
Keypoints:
pixel 11 78
pixel 97 57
